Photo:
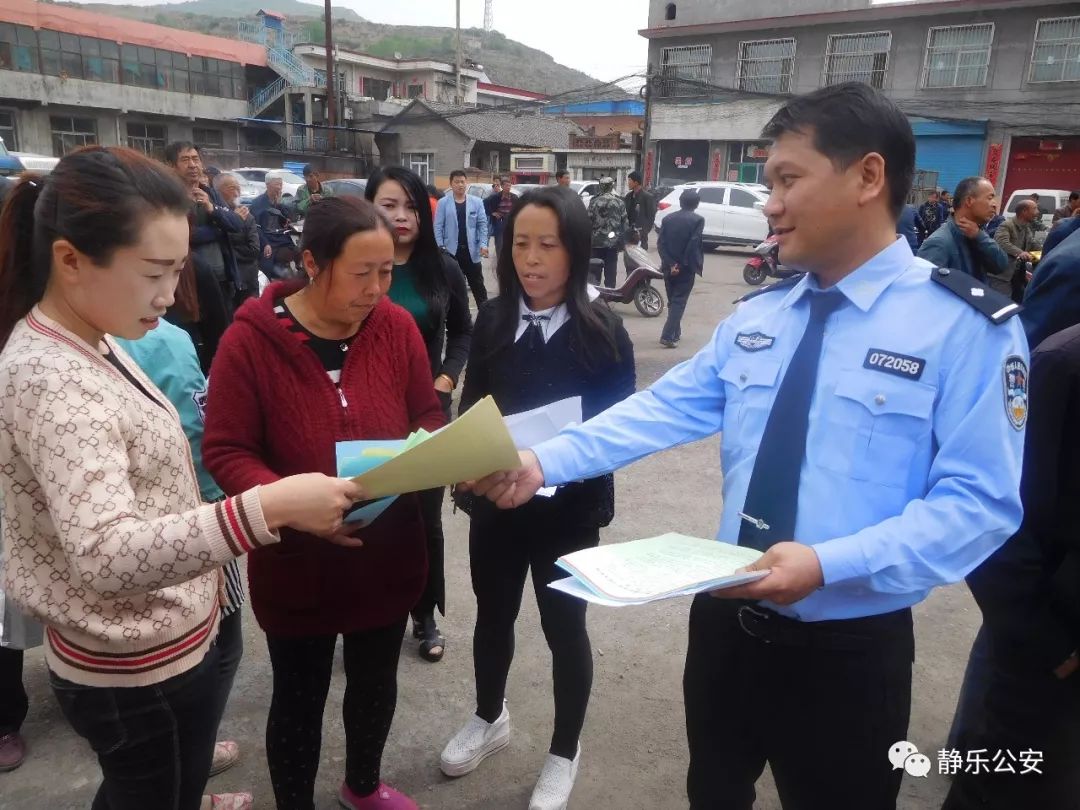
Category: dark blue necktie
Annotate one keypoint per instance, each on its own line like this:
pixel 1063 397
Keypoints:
pixel 534 332
pixel 772 497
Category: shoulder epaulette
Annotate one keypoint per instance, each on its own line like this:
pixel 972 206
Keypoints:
pixel 780 285
pixel 996 307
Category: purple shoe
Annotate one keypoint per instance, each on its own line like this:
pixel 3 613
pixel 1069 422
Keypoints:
pixel 12 751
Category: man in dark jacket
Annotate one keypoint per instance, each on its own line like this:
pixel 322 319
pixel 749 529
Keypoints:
pixel 274 219
pixel 1052 300
pixel 911 227
pixel 683 259
pixel 247 243
pixel 961 243
pixel 1029 594
pixel 1060 232
pixel 930 213
pixel 497 207
pixel 213 221
pixel 640 207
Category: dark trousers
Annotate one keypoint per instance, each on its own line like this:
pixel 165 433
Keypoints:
pixel 1022 710
pixel 678 293
pixel 230 643
pixel 644 235
pixel 502 549
pixel 302 668
pixel 13 701
pixel 969 706
pixel 154 743
pixel 434 595
pixel 820 702
pixel 474 274
pixel 610 257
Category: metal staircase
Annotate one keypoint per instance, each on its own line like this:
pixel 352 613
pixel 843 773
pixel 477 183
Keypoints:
pixel 292 72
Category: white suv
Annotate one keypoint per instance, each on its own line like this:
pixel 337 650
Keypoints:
pixel 731 210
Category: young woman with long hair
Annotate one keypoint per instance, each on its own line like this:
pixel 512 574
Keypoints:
pixel 429 284
pixel 106 539
pixel 539 342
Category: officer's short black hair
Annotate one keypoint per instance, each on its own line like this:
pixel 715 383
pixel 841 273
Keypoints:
pixel 966 188
pixel 458 173
pixel 689 199
pixel 851 120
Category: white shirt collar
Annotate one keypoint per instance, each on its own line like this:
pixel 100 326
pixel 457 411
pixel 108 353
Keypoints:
pixel 558 316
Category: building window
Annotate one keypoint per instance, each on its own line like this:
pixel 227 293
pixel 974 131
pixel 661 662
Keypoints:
pixel 208 138
pixel 415 91
pixel 958 55
pixel 101 60
pixel 419 162
pixel 746 161
pixel 18 48
pixel 669 11
pixel 685 70
pixel 767 65
pixel 1056 56
pixel 150 139
pixel 7 130
pixel 858 58
pixel 378 89
pixel 70 133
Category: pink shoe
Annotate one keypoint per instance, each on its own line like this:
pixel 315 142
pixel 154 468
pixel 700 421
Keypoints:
pixel 384 798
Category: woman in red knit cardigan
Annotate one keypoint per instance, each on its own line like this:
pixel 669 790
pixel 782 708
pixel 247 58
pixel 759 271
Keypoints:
pixel 305 366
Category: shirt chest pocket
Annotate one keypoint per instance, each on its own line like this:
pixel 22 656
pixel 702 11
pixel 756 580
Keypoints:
pixel 750 385
pixel 876 425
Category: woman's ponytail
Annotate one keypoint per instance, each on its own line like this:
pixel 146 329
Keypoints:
pixel 22 278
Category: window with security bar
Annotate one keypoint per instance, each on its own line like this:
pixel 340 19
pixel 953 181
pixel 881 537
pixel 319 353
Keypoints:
pixel 685 70
pixel 858 58
pixel 958 55
pixel 766 65
pixel 1056 56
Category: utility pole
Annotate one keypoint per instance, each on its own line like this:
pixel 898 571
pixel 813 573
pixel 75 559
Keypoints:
pixel 459 98
pixel 331 73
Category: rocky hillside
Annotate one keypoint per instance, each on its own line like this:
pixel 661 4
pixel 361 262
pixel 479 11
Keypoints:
pixel 504 60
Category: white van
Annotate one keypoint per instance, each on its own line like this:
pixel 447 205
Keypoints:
pixel 1050 199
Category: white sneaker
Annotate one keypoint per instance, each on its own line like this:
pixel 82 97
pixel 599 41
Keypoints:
pixel 477 740
pixel 552 790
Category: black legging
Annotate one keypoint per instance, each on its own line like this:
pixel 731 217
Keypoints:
pixel 502 548
pixel 302 669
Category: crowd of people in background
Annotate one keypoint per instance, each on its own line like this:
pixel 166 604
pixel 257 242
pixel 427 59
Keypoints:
pixel 179 369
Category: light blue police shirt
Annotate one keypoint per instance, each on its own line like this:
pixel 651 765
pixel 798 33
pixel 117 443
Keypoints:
pixel 913 456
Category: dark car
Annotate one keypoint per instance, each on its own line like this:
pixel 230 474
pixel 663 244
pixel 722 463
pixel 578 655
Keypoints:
pixel 351 187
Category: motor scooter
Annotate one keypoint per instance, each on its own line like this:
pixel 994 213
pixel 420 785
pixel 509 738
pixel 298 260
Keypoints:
pixel 765 263
pixel 637 288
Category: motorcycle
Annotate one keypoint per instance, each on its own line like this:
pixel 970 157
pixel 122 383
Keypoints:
pixel 637 288
pixel 766 263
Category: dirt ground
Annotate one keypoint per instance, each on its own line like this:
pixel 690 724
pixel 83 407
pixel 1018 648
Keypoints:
pixel 633 748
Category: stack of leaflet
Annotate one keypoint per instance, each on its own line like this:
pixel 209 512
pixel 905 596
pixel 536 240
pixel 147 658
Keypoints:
pixel 655 568
pixel 357 457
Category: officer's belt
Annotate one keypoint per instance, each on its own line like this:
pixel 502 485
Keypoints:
pixel 836 634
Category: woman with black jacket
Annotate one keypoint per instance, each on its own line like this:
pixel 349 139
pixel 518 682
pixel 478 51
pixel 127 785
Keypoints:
pixel 539 342
pixel 430 285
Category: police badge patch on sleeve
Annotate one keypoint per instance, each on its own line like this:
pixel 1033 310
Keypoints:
pixel 199 398
pixel 754 341
pixel 1015 378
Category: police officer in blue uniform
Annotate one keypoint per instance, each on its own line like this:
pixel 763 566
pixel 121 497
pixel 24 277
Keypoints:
pixel 872 413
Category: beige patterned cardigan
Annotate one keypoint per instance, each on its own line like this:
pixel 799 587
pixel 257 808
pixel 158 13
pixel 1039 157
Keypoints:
pixel 105 537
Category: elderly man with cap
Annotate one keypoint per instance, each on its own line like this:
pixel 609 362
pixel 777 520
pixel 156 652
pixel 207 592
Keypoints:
pixel 640 207
pixel 682 260
pixel 311 192
pixel 609 227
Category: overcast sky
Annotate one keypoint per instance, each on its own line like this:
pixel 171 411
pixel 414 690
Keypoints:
pixel 598 37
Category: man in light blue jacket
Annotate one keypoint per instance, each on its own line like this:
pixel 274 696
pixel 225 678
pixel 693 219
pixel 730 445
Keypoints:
pixel 461 229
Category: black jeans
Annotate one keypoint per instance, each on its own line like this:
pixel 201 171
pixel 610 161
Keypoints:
pixel 501 550
pixel 678 293
pixel 154 743
pixel 474 274
pixel 302 668
pixel 230 643
pixel 822 712
pixel 1021 710
pixel 13 701
pixel 610 256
